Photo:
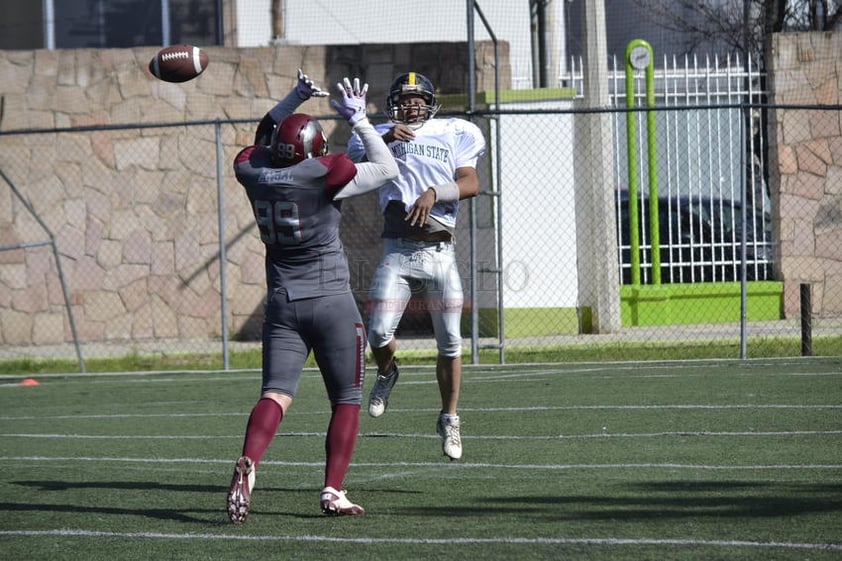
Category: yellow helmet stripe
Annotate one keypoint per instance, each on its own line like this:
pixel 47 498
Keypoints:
pixel 411 79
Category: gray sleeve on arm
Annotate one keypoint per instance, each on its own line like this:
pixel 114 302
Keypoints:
pixel 278 113
pixel 355 149
pixel 285 107
pixel 379 169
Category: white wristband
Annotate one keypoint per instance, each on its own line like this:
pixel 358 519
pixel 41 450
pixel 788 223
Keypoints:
pixel 446 192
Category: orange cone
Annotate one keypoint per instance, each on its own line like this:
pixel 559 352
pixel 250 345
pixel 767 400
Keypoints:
pixel 30 382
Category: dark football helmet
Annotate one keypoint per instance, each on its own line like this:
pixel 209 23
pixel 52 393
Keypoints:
pixel 297 138
pixel 411 83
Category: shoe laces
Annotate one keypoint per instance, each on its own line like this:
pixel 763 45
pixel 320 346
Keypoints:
pixel 451 429
pixel 337 501
pixel 454 435
pixel 382 386
pixel 337 496
pixel 247 473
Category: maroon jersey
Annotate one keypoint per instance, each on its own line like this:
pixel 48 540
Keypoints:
pixel 298 220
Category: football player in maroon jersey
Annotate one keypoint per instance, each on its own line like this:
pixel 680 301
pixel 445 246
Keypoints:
pixel 295 189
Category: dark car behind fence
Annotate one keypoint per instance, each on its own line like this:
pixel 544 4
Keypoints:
pixel 700 240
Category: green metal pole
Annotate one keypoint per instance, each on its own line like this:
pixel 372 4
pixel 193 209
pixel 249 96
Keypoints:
pixel 640 56
pixel 652 147
pixel 631 147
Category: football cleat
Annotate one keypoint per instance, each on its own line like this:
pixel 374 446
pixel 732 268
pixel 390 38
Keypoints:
pixel 448 428
pixel 239 494
pixel 378 400
pixel 335 503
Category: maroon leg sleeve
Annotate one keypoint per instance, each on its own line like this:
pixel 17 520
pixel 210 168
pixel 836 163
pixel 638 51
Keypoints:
pixel 261 428
pixel 340 442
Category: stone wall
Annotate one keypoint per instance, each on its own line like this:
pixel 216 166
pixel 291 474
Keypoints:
pixel 806 167
pixel 133 211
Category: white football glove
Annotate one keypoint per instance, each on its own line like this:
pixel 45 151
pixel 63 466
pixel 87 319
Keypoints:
pixel 305 88
pixel 353 102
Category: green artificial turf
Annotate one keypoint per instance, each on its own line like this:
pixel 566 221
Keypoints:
pixel 693 460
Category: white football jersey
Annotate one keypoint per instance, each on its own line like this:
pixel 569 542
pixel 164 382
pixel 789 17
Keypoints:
pixel 440 147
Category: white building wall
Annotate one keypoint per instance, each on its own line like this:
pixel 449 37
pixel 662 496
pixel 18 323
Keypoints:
pixel 254 23
pixel 539 250
pixel 343 22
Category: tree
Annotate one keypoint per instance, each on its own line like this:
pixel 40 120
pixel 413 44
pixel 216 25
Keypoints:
pixel 743 26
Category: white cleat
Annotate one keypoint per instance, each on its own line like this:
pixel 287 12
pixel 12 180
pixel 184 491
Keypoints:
pixel 448 427
pixel 378 400
pixel 335 503
pixel 239 494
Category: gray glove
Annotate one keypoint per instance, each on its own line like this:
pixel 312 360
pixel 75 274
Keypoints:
pixel 305 88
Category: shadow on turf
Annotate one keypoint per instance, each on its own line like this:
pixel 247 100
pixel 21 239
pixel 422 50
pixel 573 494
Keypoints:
pixel 160 514
pixel 122 485
pixel 148 486
pixel 214 516
pixel 675 499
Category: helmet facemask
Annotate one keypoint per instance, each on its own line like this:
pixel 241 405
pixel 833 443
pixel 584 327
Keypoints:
pixel 414 114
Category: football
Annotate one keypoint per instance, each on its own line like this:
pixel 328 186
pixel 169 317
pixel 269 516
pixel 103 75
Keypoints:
pixel 178 63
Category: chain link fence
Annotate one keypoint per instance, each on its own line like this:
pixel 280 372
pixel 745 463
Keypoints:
pixel 708 219
pixel 155 250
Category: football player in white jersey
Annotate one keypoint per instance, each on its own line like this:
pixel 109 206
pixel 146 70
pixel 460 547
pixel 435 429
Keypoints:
pixel 437 160
pixel 295 189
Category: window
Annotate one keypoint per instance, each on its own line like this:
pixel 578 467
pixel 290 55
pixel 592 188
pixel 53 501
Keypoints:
pixel 72 24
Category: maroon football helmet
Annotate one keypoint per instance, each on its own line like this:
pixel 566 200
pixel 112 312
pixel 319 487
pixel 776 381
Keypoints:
pixel 297 138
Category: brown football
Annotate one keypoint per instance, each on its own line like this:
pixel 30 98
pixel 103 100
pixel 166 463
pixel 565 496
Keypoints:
pixel 178 63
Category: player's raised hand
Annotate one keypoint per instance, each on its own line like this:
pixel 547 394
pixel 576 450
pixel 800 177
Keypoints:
pixel 306 88
pixel 353 103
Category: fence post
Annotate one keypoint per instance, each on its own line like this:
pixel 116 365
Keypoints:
pixel 806 321
pixel 64 289
pixel 223 258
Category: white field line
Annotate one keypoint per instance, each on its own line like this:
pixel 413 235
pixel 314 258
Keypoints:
pixel 463 409
pixel 429 541
pixel 473 373
pixel 452 465
pixel 425 377
pixel 600 435
pixel 746 367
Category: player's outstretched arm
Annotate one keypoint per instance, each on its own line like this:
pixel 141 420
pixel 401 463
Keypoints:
pixel 381 166
pixel 304 89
